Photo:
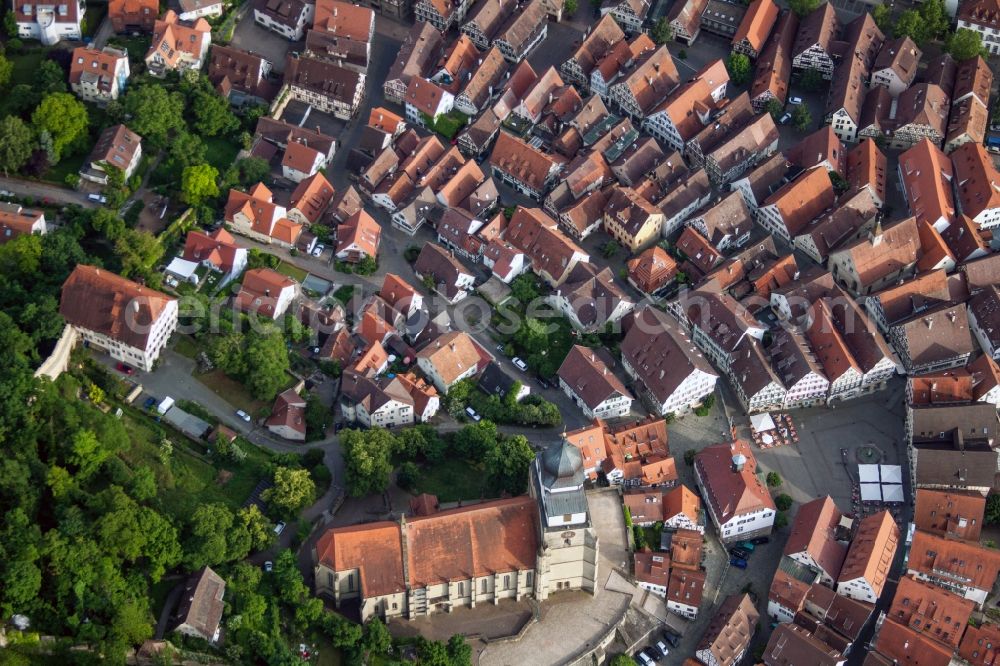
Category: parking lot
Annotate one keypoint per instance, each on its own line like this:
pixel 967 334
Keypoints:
pixel 255 39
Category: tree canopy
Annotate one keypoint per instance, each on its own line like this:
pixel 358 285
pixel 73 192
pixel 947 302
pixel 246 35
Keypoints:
pixel 16 144
pixel 65 119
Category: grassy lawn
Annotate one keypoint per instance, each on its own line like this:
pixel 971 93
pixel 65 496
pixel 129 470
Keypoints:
pixel 189 478
pixel 186 346
pixel 344 294
pixel 452 480
pixel 136 47
pixel 221 152
pixel 291 271
pixel 68 165
pixel 231 391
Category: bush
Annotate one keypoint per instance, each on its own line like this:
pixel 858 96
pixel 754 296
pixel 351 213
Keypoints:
pixel 783 502
pixel 312 457
pixel 407 476
pixel 411 254
pixel 773 479
pixel 780 521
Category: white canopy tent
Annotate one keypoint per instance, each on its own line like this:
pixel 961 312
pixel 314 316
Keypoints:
pixel 761 422
pixel 182 269
pixel 871 492
pixel 868 474
pixel 891 473
pixel 892 492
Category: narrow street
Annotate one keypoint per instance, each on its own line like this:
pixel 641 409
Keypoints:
pixel 45 192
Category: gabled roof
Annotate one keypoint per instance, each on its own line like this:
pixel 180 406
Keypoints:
pixel 597 43
pixel 731 493
pixel 729 632
pixel 452 354
pixel 201 604
pixel 950 513
pixel 218 248
pixel 977 179
pixel 289 411
pixel 757 23
pixel 521 161
pixel 886 251
pixel 900 644
pixel 927 175
pixel 814 533
pixel 803 199
pixel 116 147
pixel 100 301
pixel 589 373
pixel 872 551
pixel 312 196
pixel 819 28
pixel 260 290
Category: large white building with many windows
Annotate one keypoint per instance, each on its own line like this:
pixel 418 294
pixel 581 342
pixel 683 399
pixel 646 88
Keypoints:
pixel 130 322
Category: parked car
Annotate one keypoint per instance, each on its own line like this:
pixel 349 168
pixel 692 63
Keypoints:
pixel 150 401
pixel 785 119
pixel 269 566
pixel 542 382
pixel 339 426
pixel 672 637
pixel 124 368
pixel 746 545
pixel 318 250
pixel 795 99
pixel 243 415
pixel 741 553
pixel 738 562
pixel 279 527
pixel 521 365
pixel 662 647
pixel 473 414
pixel 644 658
pixel 760 541
pixel 98 198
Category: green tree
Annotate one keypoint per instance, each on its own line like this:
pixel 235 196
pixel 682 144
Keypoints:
pixel 508 462
pixel 258 527
pixel 366 460
pixel 840 184
pixel 803 8
pixel 773 479
pixel 621 660
pixel 570 7
pixel 143 485
pixel 64 118
pixel 407 476
pixel 213 115
pixel 16 144
pixel 801 117
pixel 293 490
pixel 376 638
pixel 775 108
pixel 476 440
pixel 964 44
pixel 992 514
pixel 10 24
pixel 317 417
pixel 459 651
pixel 154 113
pixel 610 249
pixel 936 19
pixel 6 69
pixel 198 183
pixel 49 78
pixel 738 65
pixel 525 288
pixel 911 24
pixel 185 149
pixel 781 520
pixel 245 173
pixel 366 266
pixel 882 15
pixel 138 251
pixel 662 32
pixel 783 502
pixel 813 81
pixel 108 223
pixel 205 543
pixel 87 454
pixel 266 359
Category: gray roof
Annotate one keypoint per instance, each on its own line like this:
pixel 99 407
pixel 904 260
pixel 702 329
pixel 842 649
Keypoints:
pixel 559 470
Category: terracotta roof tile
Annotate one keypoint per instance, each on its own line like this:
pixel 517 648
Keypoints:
pixel 872 551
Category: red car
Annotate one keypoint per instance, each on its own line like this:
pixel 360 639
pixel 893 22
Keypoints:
pixel 124 368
